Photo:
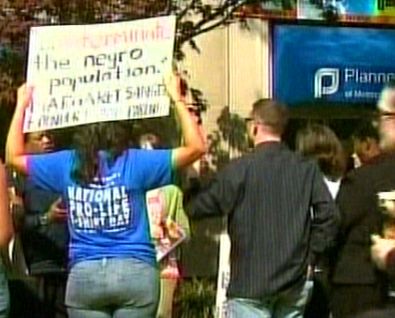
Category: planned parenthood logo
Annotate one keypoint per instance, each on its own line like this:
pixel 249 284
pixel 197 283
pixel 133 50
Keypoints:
pixel 326 81
pixel 351 83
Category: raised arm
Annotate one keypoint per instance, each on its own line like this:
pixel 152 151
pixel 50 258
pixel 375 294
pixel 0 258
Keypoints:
pixel 6 229
pixel 194 146
pixel 15 146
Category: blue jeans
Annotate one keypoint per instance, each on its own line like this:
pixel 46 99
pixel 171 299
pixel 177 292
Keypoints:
pixel 4 292
pixel 114 287
pixel 287 304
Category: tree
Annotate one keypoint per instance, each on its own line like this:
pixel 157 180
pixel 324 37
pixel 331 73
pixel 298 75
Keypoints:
pixel 194 17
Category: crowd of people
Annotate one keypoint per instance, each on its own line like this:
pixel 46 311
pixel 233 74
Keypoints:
pixel 309 235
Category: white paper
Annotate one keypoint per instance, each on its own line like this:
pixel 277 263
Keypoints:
pixel 101 72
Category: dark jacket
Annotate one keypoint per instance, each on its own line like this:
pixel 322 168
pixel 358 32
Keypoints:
pixel 44 245
pixel 361 217
pixel 268 196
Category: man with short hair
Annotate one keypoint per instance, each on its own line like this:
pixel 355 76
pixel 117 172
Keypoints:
pixel 366 143
pixel 268 196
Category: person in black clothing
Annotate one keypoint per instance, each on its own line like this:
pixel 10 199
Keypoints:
pixel 267 196
pixel 320 143
pixel 382 249
pixel 383 254
pixel 366 143
pixel 44 237
pixel 358 285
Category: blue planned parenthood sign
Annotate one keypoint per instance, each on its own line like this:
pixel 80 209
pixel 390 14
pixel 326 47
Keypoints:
pixel 331 64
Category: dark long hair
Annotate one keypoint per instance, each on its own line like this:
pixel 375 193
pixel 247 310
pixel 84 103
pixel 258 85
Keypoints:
pixel 319 142
pixel 88 140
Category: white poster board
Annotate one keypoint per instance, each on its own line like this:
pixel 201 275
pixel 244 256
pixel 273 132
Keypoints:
pixel 101 72
pixel 221 309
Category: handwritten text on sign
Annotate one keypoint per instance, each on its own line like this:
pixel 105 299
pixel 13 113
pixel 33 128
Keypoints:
pixel 91 73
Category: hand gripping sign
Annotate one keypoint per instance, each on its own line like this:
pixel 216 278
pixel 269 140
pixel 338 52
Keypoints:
pixel 100 72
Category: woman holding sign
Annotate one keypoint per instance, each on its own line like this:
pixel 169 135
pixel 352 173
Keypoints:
pixel 113 269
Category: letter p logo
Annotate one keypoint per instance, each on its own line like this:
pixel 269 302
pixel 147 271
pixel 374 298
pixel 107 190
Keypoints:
pixel 326 81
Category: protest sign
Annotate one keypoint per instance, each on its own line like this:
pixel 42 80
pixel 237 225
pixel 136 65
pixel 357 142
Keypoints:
pixel 101 72
pixel 221 308
pixel 164 207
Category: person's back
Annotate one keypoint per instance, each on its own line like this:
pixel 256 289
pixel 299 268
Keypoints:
pixel 108 218
pixel 320 143
pixel 113 269
pixel 267 196
pixel 270 225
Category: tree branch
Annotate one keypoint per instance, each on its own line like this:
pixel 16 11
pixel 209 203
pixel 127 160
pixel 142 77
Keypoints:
pixel 200 29
pixel 185 10
pixel 220 12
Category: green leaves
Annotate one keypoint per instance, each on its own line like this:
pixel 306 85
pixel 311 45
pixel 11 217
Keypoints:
pixel 11 75
pixel 195 298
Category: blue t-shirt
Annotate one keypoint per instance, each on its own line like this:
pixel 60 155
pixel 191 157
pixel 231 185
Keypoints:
pixel 107 219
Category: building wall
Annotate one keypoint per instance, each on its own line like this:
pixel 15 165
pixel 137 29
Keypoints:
pixel 232 69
